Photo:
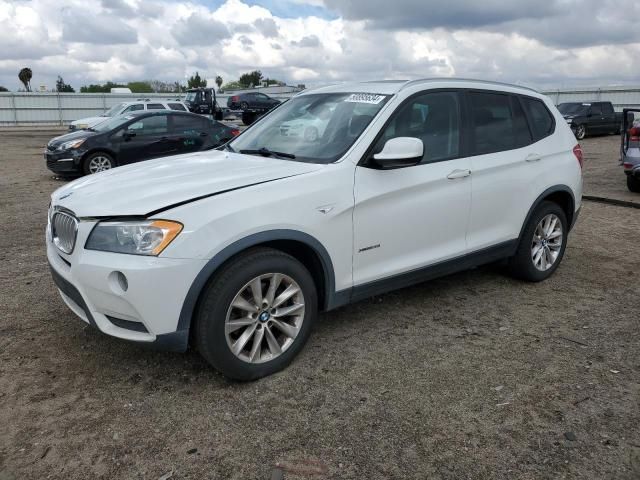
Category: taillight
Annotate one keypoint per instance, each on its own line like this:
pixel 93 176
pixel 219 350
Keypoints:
pixel 235 98
pixel 235 132
pixel 577 151
pixel 634 134
pixel 627 166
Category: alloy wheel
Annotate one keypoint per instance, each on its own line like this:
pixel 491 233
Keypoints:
pixel 264 318
pixel 99 163
pixel 547 242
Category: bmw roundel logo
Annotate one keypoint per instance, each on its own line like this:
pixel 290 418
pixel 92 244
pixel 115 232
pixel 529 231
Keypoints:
pixel 264 316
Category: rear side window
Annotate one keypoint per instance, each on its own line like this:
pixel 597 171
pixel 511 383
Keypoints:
pixel 495 125
pixel 595 109
pixel 540 118
pixel 177 106
pixel 155 106
pixel 187 125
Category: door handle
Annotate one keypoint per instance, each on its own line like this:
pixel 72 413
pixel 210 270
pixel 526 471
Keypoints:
pixel 203 134
pixel 533 157
pixel 459 174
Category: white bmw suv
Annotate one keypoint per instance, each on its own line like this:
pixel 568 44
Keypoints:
pixel 235 250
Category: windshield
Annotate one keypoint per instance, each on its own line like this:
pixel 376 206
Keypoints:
pixel 191 96
pixel 316 128
pixel 112 123
pixel 113 111
pixel 573 108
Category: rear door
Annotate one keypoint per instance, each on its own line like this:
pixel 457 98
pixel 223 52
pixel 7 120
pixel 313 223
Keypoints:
pixel 503 163
pixel 145 138
pixel 188 132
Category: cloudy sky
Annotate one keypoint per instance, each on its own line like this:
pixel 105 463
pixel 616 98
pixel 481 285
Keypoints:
pixel 541 44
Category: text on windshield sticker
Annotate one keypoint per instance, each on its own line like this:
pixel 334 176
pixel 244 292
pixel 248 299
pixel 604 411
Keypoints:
pixel 364 98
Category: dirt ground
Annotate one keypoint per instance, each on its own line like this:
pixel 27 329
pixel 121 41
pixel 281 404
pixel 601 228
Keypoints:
pixel 473 376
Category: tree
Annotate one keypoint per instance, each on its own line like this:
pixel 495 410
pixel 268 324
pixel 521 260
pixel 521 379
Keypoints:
pixel 251 79
pixel 25 77
pixel 231 86
pixel 3 89
pixel 219 81
pixel 196 82
pixel 140 87
pixel 63 87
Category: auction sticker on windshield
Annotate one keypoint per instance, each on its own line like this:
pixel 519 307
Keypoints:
pixel 365 98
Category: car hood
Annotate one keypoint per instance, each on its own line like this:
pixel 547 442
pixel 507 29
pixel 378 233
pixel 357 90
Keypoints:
pixel 88 122
pixel 54 142
pixel 147 187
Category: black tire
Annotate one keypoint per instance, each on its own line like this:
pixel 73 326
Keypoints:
pixel 86 164
pixel 581 131
pixel 244 105
pixel 210 338
pixel 633 184
pixel 521 264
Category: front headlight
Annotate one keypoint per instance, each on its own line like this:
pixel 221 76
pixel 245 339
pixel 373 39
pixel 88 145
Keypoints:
pixel 71 144
pixel 144 237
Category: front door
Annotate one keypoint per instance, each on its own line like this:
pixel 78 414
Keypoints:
pixel 416 216
pixel 145 138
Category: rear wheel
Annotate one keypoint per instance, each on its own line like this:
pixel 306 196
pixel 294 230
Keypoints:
pixel 98 162
pixel 244 106
pixel 256 314
pixel 633 184
pixel 542 244
pixel 581 132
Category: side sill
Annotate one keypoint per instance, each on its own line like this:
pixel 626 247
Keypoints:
pixel 447 267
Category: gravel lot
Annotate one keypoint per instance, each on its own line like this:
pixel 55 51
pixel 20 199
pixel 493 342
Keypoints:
pixel 473 376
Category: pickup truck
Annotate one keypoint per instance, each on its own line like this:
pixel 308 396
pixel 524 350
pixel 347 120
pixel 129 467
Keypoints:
pixel 591 118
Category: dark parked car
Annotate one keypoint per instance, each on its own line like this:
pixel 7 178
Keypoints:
pixel 591 118
pixel 251 100
pixel 132 138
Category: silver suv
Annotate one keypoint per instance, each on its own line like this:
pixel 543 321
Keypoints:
pixel 128 107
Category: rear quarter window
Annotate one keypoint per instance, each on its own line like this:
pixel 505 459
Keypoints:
pixel 540 119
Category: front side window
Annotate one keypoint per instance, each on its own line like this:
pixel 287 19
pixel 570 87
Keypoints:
pixel 495 126
pixel 540 118
pixel 156 125
pixel 433 118
pixel 316 128
pixel 595 109
pixel 177 106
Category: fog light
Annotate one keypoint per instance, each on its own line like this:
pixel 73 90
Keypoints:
pixel 118 282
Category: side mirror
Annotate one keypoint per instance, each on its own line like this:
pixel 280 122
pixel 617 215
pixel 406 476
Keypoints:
pixel 400 152
pixel 128 135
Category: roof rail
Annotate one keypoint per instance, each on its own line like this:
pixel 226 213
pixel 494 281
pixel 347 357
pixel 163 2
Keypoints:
pixel 447 79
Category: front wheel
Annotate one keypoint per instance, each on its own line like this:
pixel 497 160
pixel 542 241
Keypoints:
pixel 256 314
pixel 581 132
pixel 542 244
pixel 633 184
pixel 98 162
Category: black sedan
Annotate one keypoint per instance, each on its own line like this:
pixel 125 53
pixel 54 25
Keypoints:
pixel 251 101
pixel 132 138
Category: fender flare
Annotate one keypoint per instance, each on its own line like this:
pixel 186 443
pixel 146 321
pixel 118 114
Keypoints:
pixel 540 199
pixel 198 285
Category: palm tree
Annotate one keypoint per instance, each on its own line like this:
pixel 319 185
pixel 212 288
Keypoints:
pixel 25 77
pixel 219 81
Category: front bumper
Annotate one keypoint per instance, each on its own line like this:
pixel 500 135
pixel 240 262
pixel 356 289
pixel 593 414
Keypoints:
pixel 69 161
pixel 147 311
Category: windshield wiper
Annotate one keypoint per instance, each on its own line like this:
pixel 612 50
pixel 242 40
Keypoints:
pixel 268 153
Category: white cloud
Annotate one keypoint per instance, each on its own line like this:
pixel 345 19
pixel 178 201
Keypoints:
pixel 126 40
